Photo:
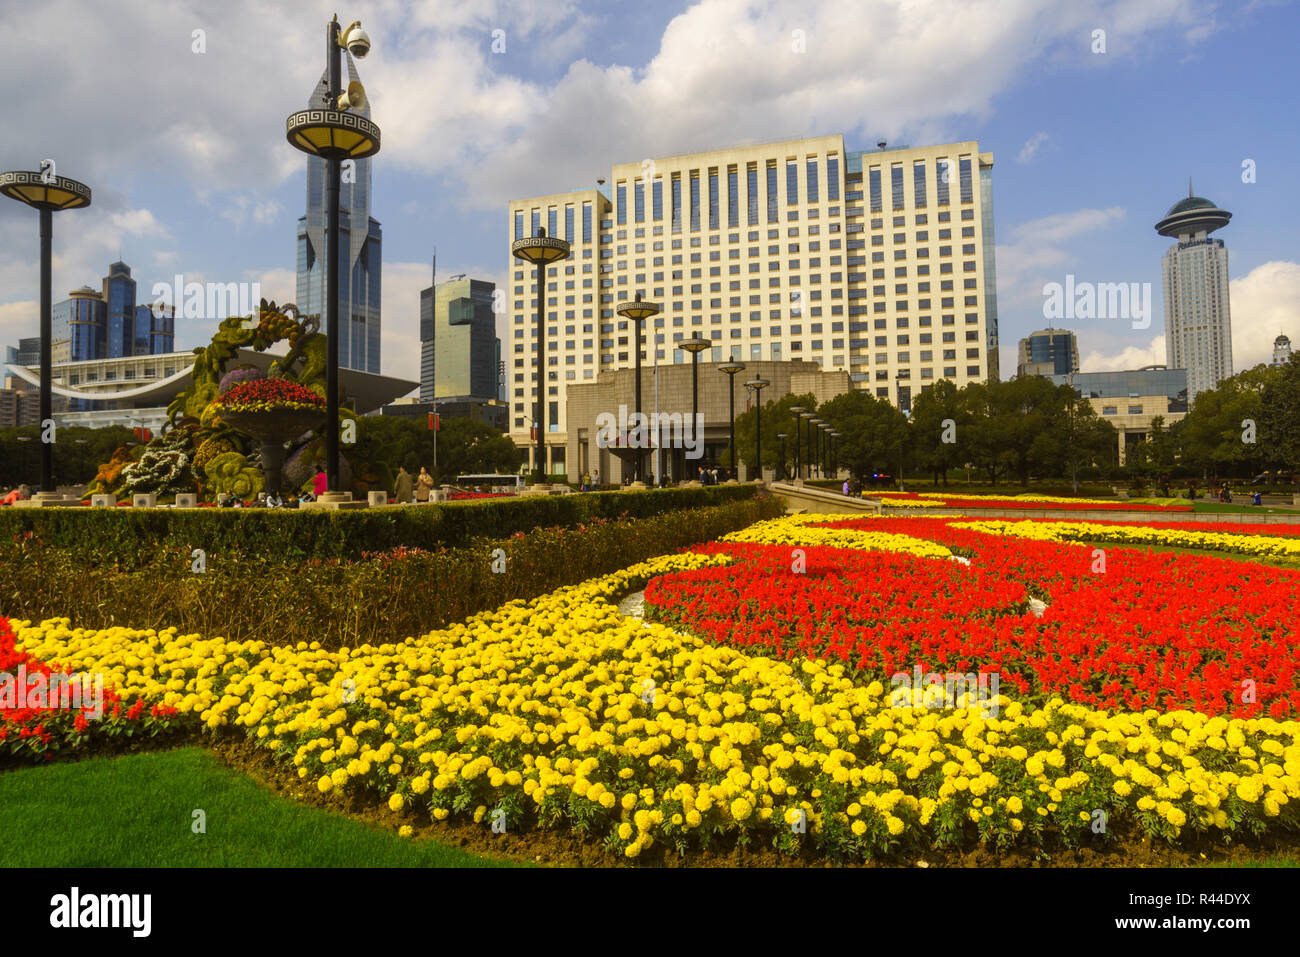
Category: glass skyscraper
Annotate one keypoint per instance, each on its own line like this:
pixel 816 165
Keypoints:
pixel 360 248
pixel 459 348
pixel 108 323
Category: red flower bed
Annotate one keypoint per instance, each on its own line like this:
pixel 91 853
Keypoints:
pixel 1154 631
pixel 40 733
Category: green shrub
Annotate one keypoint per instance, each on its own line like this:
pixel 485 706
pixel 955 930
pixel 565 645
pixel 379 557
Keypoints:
pixel 379 598
pixel 130 537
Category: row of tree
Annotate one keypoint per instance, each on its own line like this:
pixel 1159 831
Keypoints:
pixel 1248 425
pixel 1027 426
pixel 384 443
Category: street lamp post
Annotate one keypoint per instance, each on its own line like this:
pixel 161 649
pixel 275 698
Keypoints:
pixel 797 411
pixel 335 134
pixel 639 312
pixel 757 385
pixel 731 369
pixel 540 250
pixel 695 345
pixel 781 468
pixel 46 193
pixel 806 416
pixel 814 451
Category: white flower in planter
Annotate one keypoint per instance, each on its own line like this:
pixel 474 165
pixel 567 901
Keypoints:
pixel 1037 607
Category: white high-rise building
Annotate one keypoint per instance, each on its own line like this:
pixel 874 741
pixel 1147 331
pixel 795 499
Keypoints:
pixel 1198 320
pixel 876 263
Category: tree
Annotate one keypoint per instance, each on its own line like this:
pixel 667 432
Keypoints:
pixel 1279 430
pixel 872 431
pixel 939 420
pixel 777 418
pixel 1221 434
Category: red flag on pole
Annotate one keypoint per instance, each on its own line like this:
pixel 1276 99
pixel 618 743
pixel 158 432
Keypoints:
pixel 435 423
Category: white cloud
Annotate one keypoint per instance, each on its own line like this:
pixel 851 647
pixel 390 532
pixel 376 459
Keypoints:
pixel 1031 147
pixel 1264 303
pixel 1129 357
pixel 1037 253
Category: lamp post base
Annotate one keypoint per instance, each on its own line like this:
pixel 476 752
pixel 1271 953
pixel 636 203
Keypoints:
pixel 45 500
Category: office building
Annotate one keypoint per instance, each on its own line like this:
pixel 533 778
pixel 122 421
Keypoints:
pixel 1198 320
pixel 459 348
pixel 19 407
pixel 1131 400
pixel 1048 352
pixel 360 252
pixel 875 263
pixel 106 324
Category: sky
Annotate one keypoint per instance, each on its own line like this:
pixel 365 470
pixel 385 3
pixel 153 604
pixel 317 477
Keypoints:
pixel 174 116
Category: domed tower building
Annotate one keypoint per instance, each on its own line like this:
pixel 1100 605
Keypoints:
pixel 1198 320
pixel 1281 350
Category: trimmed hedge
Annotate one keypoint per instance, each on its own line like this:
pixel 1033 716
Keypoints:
pixel 380 599
pixel 131 537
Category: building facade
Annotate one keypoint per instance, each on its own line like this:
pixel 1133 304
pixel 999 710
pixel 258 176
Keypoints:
pixel 1131 400
pixel 459 348
pixel 1048 352
pixel 360 253
pixel 683 452
pixel 877 264
pixel 1198 319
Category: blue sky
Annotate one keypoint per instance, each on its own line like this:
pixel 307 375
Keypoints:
pixel 191 172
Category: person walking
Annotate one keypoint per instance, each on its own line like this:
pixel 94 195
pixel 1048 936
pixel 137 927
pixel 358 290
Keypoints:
pixel 846 486
pixel 423 485
pixel 404 487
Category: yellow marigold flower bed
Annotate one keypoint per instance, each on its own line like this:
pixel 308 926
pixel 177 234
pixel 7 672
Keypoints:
pixel 560 712
pixel 1263 545
pixel 802 531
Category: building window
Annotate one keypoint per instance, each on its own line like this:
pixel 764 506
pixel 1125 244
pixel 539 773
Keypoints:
pixel 813 190
pixel 713 199
pixel 791 183
pixel 833 178
pixel 695 199
pixel 657 199
pixel 519 224
pixel 896 185
pixel 877 200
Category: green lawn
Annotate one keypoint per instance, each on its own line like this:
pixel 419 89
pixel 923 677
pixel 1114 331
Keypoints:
pixel 136 811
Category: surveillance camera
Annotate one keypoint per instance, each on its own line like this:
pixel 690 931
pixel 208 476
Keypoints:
pixel 356 40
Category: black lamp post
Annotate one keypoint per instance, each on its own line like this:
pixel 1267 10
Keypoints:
pixel 45 193
pixel 731 369
pixel 639 312
pixel 335 134
pixel 781 468
pixel 814 450
pixel 757 385
pixel 695 345
pixel 541 250
pixel 806 416
pixel 797 411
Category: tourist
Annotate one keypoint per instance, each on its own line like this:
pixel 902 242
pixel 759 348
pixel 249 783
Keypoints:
pixel 595 479
pixel 586 481
pixel 320 484
pixel 404 487
pixel 423 485
pixel 846 486
pixel 291 501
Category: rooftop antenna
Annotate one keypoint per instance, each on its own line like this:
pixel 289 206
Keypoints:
pixel 1190 194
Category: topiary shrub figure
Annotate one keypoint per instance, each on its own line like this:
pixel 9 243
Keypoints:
pixel 230 472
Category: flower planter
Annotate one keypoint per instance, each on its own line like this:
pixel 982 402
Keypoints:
pixel 272 428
